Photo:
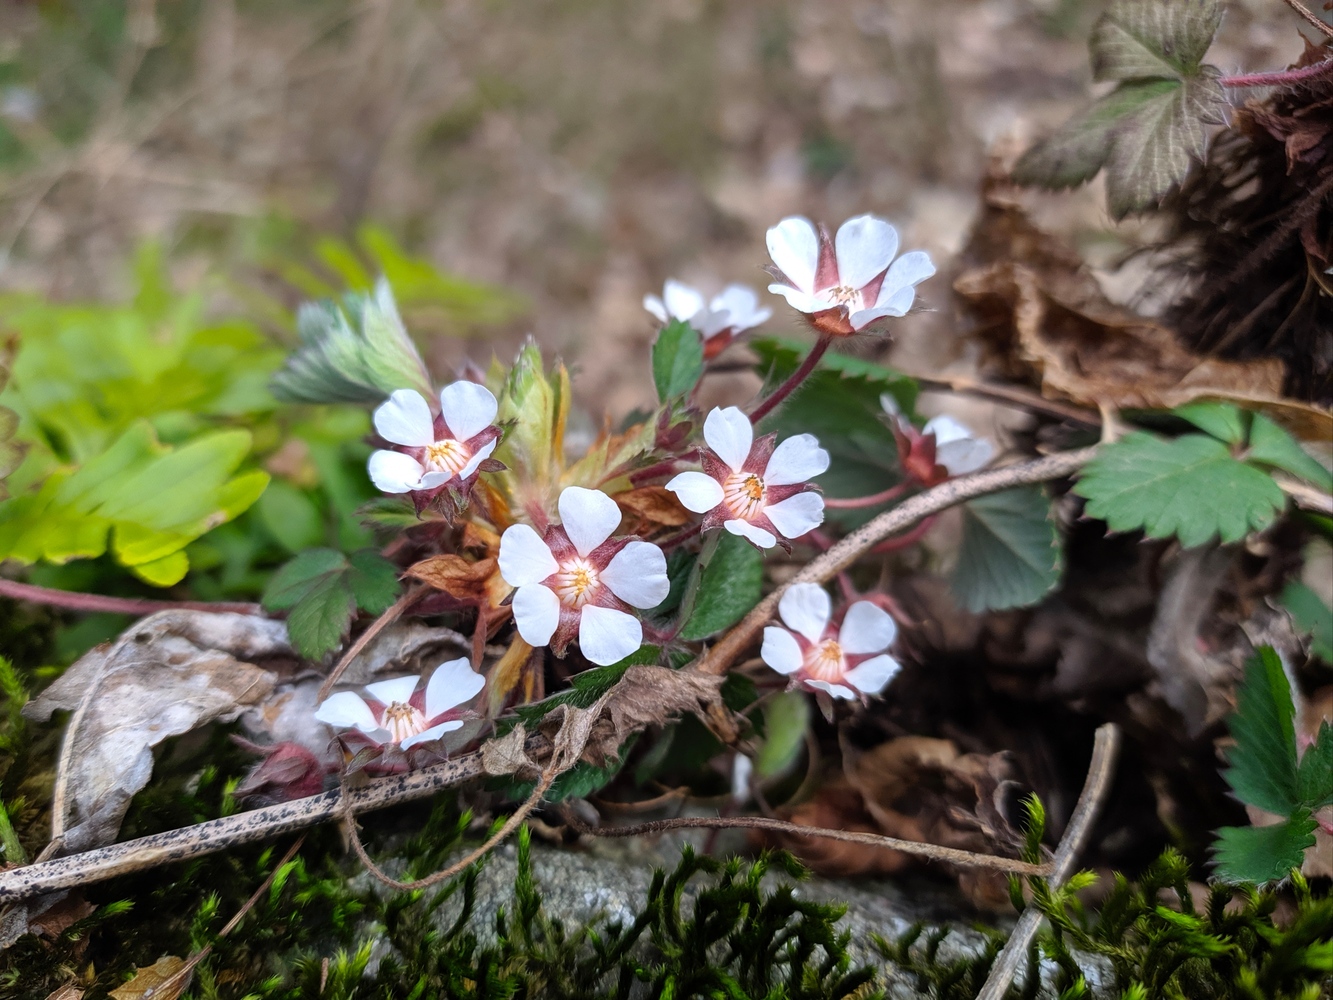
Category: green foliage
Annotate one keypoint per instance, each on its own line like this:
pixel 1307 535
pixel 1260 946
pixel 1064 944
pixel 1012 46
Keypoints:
pixel 1010 555
pixel 678 360
pixel 730 584
pixel 321 589
pixel 11 453
pixel 1153 125
pixel 786 719
pixel 1272 446
pixel 1264 772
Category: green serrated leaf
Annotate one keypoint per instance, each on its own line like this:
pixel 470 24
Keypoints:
pixel 1190 487
pixel 1262 769
pixel 373 581
pixel 1311 616
pixel 678 360
pixel 730 585
pixel 300 575
pixel 1010 556
pixel 1271 445
pixel 317 622
pixel 1259 854
pixel 1224 421
pixel 1140 39
pixel 786 718
pixel 1314 776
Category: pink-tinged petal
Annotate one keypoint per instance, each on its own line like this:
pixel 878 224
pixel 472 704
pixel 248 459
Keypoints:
pixel 657 307
pixel 394 689
pixel 710 323
pixel 637 574
pixel 796 460
pixel 794 246
pixel 796 515
pixel 536 613
pixel 802 301
pixel 394 472
pixel 867 628
pixel 452 684
pixel 946 429
pixel 524 557
pixel 742 306
pixel 865 247
pixel 479 456
pixel 467 408
pixel 837 690
pixel 962 457
pixel 696 491
pixel 588 517
pixel 607 636
pixel 433 733
pixel 681 301
pixel 908 270
pixel 873 675
pixel 347 709
pixel 862 318
pixel 745 529
pixel 405 418
pixel 806 608
pixel 728 432
pixel 780 650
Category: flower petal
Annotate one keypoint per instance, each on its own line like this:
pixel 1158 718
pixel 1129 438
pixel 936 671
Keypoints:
pixel 467 408
pixel 524 557
pixel 742 306
pixel 433 479
pixel 638 575
pixel 347 708
pixel 794 246
pixel 865 246
pixel 871 676
pixel 394 472
pixel 745 529
pixel 908 270
pixel 681 301
pixel 962 457
pixel 588 517
pixel 696 491
pixel 801 301
pixel 780 650
pixel 728 432
pixel 796 460
pixel 867 628
pixel 536 613
pixel 479 456
pixel 452 684
pixel 404 418
pixel 837 690
pixel 806 608
pixel 607 636
pixel 657 307
pixel 946 429
pixel 394 689
pixel 862 318
pixel 433 733
pixel 797 514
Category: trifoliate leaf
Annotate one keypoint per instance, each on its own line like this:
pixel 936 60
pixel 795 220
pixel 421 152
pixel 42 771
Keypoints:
pixel 1010 556
pixel 296 578
pixel 1271 445
pixel 729 586
pixel 1262 769
pixel 1311 616
pixel 1190 487
pixel 373 580
pixel 320 619
pixel 1314 776
pixel 1224 421
pixel 786 718
pixel 678 360
pixel 1139 39
pixel 321 589
pixel 356 352
pixel 1260 854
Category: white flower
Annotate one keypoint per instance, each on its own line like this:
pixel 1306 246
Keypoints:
pixel 432 451
pixel 397 713
pixel 731 312
pixel 849 662
pixel 751 488
pixel 956 447
pixel 848 282
pixel 573 581
pixel 944 447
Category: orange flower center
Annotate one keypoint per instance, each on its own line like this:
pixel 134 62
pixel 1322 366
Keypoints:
pixel 844 295
pixel 447 456
pixel 576 583
pixel 743 493
pixel 402 721
pixel 824 661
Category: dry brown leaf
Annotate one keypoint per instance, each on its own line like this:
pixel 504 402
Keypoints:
pixel 166 675
pixel 514 670
pixel 455 576
pixel 508 755
pixel 837 806
pixel 160 981
pixel 62 915
pixel 653 696
pixel 651 507
pixel 1046 321
pixel 70 991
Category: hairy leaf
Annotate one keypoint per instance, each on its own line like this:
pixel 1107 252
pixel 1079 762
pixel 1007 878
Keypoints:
pixel 1190 487
pixel 1272 445
pixel 1314 776
pixel 729 586
pixel 1312 617
pixel 1010 556
pixel 1138 39
pixel 1261 854
pixel 678 360
pixel 321 589
pixel 1262 768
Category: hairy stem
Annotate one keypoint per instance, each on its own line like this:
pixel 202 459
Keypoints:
pixel 74 601
pixel 795 379
pixel 1280 78
pixel 874 500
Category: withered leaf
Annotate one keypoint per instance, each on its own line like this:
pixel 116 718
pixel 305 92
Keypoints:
pixel 70 991
pixel 650 508
pixel 507 755
pixel 454 575
pixel 160 981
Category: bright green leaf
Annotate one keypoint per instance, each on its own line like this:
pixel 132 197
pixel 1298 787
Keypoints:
pixel 1224 421
pixel 786 718
pixel 729 586
pixel 1262 769
pixel 1314 776
pixel 1311 616
pixel 320 590
pixel 1260 854
pixel 1010 555
pixel 678 360
pixel 1271 445
pixel 1190 487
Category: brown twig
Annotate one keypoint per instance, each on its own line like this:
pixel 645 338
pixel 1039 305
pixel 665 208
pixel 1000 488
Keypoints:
pixel 410 597
pixel 1096 786
pixel 934 852
pixel 1009 395
pixel 847 551
pixel 1315 22
pixel 140 606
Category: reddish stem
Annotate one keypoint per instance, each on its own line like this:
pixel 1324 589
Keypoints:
pixel 907 538
pixel 666 545
pixel 796 378
pixel 663 467
pixel 75 601
pixel 1280 78
pixel 874 500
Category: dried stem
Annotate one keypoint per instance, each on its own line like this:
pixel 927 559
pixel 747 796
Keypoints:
pixel 1095 789
pixel 1009 395
pixel 1310 18
pixel 363 640
pixel 795 379
pixel 139 606
pixel 824 567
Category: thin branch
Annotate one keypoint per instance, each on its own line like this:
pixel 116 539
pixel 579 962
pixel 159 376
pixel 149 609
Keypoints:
pixel 946 495
pixel 795 379
pixel 1280 78
pixel 1096 786
pixel 1305 495
pixel 410 597
pixel 139 606
pixel 1009 395
pixel 951 855
pixel 1315 22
